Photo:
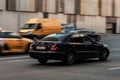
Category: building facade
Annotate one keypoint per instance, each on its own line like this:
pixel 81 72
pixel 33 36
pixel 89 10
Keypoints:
pixel 103 16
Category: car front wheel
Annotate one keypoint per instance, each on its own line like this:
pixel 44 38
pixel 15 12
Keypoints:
pixel 104 55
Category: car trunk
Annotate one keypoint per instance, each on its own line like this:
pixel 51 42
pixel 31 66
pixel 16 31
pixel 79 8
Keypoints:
pixel 46 46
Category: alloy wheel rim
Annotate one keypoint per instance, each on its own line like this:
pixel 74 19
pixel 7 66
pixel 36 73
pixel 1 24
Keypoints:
pixel 70 58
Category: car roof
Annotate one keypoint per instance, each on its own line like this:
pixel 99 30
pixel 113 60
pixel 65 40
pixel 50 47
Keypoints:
pixel 60 36
pixel 69 34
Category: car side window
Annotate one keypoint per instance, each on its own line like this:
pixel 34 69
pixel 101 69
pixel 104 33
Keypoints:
pixel 75 39
pixel 87 40
pixel 91 32
pixel 9 35
pixel 39 26
pixel 13 35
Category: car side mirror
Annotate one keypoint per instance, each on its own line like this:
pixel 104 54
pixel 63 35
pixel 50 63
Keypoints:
pixel 94 42
pixel 39 26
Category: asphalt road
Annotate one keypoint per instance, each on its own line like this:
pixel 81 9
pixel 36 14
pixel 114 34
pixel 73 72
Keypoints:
pixel 22 67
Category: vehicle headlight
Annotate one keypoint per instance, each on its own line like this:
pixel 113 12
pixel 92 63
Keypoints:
pixel 2 42
pixel 105 45
pixel 28 33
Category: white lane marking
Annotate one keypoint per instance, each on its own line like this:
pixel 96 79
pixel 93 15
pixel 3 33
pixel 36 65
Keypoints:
pixel 14 57
pixel 18 60
pixel 115 68
pixel 115 49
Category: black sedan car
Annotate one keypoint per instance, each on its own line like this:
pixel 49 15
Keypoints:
pixel 88 32
pixel 68 48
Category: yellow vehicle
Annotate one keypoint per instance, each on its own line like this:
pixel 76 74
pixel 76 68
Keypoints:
pixel 11 42
pixel 38 28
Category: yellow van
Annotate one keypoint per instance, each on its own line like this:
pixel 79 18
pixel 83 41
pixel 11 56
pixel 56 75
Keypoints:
pixel 38 28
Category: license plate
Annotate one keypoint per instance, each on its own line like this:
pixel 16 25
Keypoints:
pixel 41 48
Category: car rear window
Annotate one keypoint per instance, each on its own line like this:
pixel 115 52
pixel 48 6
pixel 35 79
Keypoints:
pixel 55 37
pixel 8 34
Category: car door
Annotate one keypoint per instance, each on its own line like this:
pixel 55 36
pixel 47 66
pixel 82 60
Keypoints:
pixel 77 45
pixel 91 48
pixel 15 43
pixel 19 43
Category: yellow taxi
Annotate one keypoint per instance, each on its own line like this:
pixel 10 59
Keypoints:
pixel 11 42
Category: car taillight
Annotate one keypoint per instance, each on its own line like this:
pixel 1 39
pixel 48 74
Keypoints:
pixel 54 47
pixel 31 48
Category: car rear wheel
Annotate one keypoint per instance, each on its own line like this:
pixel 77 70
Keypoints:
pixel 0 51
pixel 42 61
pixel 70 58
pixel 104 55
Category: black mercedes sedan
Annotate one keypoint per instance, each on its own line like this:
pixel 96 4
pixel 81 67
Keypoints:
pixel 68 48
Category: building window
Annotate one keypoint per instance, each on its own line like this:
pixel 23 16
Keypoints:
pixel 25 5
pixel 60 6
pixel 77 6
pixel 22 5
pixel 11 5
pixel 69 6
pixel 45 15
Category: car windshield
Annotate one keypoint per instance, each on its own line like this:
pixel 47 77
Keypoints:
pixel 77 31
pixel 29 26
pixel 8 34
pixel 55 37
pixel 81 31
pixel 67 29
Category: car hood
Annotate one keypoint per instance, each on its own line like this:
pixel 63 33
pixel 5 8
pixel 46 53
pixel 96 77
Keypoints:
pixel 104 45
pixel 25 30
pixel 29 40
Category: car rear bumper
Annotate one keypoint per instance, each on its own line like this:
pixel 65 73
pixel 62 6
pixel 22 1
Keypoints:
pixel 48 55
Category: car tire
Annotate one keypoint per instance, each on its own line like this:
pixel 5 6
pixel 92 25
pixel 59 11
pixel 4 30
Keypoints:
pixel 104 55
pixel 42 61
pixel 0 51
pixel 70 59
pixel 27 48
